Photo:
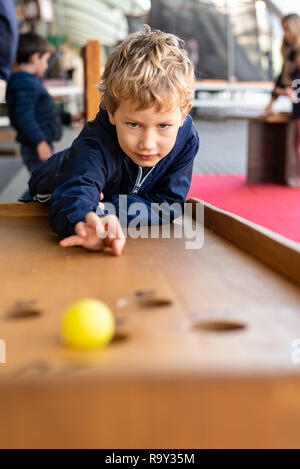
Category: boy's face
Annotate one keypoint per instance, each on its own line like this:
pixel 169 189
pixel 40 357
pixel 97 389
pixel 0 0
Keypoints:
pixel 146 136
pixel 40 63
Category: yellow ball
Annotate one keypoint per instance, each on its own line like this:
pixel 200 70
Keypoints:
pixel 88 324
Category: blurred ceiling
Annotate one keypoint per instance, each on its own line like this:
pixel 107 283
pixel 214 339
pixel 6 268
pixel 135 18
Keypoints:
pixel 105 20
pixel 283 6
pixel 287 6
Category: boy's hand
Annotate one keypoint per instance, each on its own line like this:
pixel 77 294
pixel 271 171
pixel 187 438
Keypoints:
pixel 44 151
pixel 97 234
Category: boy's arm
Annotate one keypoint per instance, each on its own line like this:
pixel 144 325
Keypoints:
pixel 74 202
pixel 79 185
pixel 172 188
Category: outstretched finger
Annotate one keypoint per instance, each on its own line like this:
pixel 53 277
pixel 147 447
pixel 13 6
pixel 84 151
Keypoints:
pixel 71 241
pixel 118 246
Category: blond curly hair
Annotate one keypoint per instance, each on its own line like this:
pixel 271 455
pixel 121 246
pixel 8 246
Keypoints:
pixel 149 68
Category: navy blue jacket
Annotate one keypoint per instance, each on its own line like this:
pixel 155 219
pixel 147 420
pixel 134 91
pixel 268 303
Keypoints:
pixel 72 180
pixel 8 37
pixel 31 110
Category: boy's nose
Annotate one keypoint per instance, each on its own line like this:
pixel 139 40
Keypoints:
pixel 147 142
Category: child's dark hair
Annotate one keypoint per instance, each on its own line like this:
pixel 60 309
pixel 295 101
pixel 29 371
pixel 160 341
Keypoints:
pixel 29 44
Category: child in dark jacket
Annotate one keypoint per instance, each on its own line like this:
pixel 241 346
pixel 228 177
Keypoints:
pixel 31 109
pixel 137 155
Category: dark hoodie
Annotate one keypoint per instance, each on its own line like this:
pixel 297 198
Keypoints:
pixel 31 110
pixel 72 180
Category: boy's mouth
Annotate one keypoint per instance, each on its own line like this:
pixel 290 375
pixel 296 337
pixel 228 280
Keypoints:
pixel 146 157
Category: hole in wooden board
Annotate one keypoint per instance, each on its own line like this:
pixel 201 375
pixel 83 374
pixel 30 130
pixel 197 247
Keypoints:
pixel 155 302
pixel 219 325
pixel 24 312
pixel 119 338
pixel 22 309
pixel 145 299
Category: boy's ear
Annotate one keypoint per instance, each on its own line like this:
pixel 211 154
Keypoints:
pixel 185 112
pixel 33 59
pixel 111 117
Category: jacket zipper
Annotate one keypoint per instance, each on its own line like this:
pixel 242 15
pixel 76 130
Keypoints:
pixel 139 181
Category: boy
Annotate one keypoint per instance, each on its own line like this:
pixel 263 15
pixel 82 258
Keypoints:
pixel 141 145
pixel 31 109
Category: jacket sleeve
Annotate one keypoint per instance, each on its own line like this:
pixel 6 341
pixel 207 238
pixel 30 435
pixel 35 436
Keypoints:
pixel 24 101
pixel 171 189
pixel 80 181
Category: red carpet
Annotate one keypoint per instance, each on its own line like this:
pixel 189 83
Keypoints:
pixel 272 206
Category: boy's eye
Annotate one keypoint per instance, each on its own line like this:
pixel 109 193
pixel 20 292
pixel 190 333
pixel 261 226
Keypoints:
pixel 164 126
pixel 132 125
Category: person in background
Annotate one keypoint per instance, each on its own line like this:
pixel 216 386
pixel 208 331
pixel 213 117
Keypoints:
pixel 291 42
pixel 293 93
pixel 8 41
pixel 31 109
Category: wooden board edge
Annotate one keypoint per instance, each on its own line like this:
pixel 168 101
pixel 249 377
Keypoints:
pixel 274 250
pixel 23 209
